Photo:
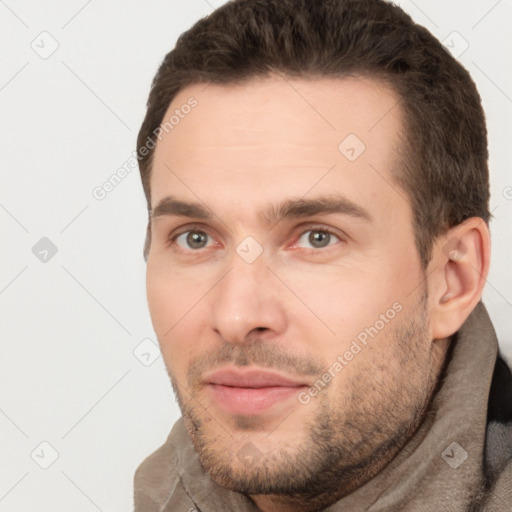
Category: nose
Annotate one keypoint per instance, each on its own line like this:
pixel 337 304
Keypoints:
pixel 248 300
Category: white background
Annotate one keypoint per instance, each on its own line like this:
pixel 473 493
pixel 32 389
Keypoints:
pixel 68 373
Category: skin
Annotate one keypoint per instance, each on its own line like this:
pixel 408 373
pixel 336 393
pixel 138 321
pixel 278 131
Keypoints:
pixel 243 150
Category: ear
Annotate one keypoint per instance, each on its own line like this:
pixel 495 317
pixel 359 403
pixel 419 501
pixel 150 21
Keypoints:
pixel 457 274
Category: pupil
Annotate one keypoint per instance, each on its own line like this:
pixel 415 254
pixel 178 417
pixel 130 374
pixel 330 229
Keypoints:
pixel 196 239
pixel 319 238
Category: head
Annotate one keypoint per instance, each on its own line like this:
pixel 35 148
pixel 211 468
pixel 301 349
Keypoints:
pixel 317 187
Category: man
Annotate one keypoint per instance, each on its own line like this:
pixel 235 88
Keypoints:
pixel 317 245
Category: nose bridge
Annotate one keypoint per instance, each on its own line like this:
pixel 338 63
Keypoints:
pixel 245 300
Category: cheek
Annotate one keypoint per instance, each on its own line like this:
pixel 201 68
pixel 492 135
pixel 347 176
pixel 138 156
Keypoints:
pixel 346 305
pixel 163 299
pixel 172 293
pixel 345 301
pixel 175 313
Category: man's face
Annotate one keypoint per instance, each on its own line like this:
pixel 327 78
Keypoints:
pixel 289 299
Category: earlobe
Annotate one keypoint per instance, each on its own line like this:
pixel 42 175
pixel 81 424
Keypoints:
pixel 460 264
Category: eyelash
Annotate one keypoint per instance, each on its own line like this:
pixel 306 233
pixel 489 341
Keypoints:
pixel 172 238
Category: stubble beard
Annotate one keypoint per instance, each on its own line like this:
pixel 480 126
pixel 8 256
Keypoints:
pixel 342 447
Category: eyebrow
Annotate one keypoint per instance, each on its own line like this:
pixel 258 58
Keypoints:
pixel 169 206
pixel 291 208
pixel 298 208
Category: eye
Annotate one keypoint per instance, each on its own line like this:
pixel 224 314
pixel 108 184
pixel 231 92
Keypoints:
pixel 317 239
pixel 193 239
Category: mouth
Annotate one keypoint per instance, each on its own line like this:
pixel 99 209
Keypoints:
pixel 251 391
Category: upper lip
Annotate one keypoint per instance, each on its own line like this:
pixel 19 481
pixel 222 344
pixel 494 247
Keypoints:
pixel 251 378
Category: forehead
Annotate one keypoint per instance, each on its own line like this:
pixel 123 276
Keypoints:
pixel 274 136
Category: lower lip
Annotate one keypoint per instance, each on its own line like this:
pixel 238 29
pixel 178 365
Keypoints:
pixel 251 400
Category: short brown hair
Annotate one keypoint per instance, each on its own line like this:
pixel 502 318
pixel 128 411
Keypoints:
pixel 444 159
